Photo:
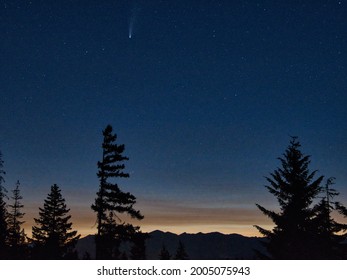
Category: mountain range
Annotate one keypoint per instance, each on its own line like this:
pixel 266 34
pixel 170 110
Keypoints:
pixel 199 246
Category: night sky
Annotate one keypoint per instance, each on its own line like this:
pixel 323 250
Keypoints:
pixel 204 94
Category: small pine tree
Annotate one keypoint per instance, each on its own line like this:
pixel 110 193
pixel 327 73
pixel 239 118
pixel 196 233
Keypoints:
pixel 181 253
pixel 330 241
pixel 16 235
pixel 111 201
pixel 295 189
pixel 53 237
pixel 164 253
pixel 3 214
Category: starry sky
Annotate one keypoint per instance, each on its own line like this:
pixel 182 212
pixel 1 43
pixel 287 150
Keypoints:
pixel 204 94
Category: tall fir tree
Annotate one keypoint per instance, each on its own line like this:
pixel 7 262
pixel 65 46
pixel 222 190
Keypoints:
pixel 3 213
pixel 295 188
pixel 16 235
pixel 111 201
pixel 330 238
pixel 53 237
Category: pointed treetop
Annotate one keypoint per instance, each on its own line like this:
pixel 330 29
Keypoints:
pixel 53 231
pixel 295 189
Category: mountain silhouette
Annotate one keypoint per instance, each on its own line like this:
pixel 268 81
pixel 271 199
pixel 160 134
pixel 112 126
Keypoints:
pixel 199 246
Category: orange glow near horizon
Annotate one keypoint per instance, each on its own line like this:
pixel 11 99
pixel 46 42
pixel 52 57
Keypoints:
pixel 250 231
pixel 176 220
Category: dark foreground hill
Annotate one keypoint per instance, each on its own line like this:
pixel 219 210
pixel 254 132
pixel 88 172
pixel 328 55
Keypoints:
pixel 200 246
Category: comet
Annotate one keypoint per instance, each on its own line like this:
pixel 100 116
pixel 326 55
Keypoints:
pixel 131 24
pixel 132 20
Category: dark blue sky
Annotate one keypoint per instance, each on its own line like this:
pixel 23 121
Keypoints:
pixel 205 96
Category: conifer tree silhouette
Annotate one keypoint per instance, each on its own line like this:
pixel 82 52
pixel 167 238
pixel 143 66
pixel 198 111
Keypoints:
pixel 164 253
pixel 16 235
pixel 329 240
pixel 295 189
pixel 111 201
pixel 53 237
pixel 3 213
pixel 181 253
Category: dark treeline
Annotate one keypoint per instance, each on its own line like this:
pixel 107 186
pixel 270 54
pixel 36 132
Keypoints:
pixel 304 227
